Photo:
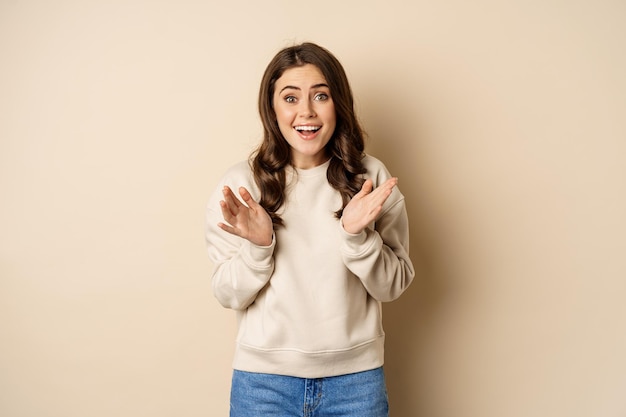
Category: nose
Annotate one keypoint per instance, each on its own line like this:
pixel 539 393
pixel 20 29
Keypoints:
pixel 307 110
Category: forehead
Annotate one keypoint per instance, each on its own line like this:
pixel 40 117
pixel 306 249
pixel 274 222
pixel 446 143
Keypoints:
pixel 305 76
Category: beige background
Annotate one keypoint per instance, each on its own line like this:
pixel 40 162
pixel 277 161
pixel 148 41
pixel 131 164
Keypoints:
pixel 505 122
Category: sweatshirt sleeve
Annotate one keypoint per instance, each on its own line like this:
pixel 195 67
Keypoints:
pixel 240 268
pixel 379 255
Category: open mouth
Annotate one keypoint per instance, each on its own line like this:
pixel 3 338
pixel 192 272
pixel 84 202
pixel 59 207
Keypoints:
pixel 307 130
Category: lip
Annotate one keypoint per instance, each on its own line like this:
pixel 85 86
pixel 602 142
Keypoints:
pixel 308 134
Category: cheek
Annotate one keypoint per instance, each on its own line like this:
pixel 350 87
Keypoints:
pixel 331 118
pixel 330 114
pixel 282 115
pixel 283 121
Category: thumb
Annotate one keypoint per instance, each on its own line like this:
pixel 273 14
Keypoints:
pixel 367 187
pixel 246 196
pixel 244 193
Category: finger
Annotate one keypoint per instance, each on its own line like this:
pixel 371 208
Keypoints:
pixel 228 215
pixel 227 228
pixel 367 187
pixel 231 201
pixel 390 183
pixel 387 186
pixel 246 196
pixel 380 196
pixel 231 195
pixel 382 193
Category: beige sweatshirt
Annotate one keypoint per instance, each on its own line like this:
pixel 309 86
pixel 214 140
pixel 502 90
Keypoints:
pixel 309 305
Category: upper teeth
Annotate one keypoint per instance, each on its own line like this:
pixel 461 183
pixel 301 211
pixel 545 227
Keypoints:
pixel 307 127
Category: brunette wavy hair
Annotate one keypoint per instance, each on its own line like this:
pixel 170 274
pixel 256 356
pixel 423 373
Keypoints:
pixel 345 148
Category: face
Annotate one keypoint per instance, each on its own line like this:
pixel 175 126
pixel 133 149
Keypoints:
pixel 305 114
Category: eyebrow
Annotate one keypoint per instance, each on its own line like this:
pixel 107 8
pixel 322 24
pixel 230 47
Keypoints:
pixel 292 87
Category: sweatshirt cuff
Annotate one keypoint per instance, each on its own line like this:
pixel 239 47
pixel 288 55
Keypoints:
pixel 354 243
pixel 259 256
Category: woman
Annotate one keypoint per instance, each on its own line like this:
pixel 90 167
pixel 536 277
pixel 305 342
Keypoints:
pixel 316 242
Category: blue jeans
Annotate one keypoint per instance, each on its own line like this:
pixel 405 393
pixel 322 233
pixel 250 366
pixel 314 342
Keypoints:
pixel 363 394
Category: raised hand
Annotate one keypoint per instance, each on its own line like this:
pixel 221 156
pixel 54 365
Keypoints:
pixel 249 221
pixel 366 205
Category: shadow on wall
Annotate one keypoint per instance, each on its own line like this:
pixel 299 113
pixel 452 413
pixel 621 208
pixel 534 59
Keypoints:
pixel 398 134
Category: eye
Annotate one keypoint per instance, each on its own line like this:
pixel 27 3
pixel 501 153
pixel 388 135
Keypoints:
pixel 321 97
pixel 290 99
